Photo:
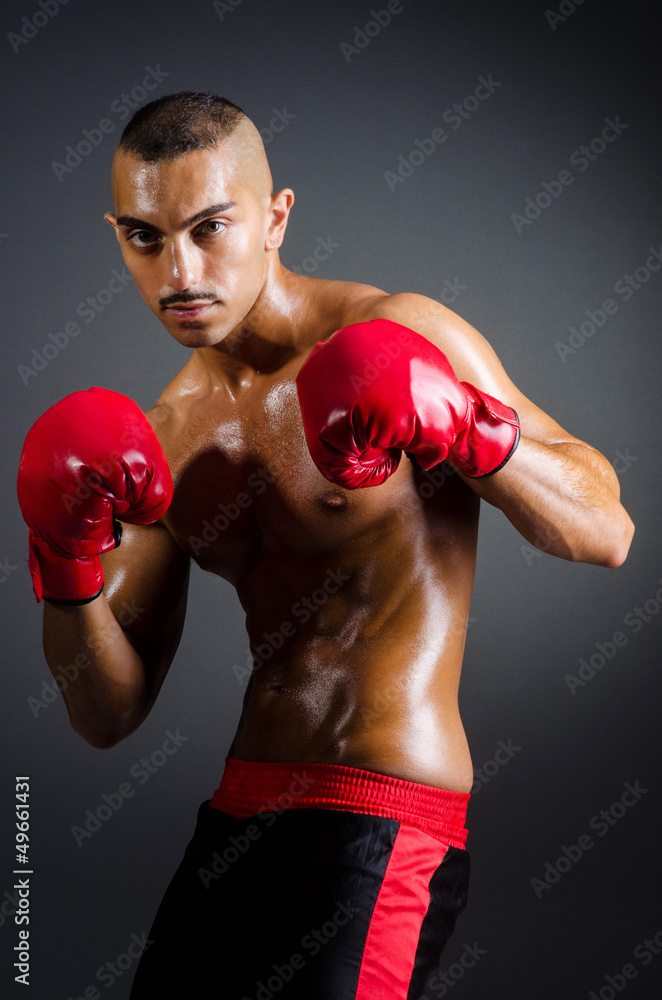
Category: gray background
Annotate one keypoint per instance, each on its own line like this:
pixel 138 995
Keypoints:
pixel 533 617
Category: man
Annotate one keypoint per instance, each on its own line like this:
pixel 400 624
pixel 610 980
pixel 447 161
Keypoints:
pixel 331 860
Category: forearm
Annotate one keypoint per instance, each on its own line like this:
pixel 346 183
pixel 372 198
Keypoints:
pixel 564 499
pixel 107 699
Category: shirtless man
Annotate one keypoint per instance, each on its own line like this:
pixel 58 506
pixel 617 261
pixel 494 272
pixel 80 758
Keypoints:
pixel 337 833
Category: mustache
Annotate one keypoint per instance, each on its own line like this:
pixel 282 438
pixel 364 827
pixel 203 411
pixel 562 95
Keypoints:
pixel 181 298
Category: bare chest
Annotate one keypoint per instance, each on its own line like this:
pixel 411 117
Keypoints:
pixel 246 489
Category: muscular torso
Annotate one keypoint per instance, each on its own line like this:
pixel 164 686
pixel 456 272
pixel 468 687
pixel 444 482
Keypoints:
pixel 356 601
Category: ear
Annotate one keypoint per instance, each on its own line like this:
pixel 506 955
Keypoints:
pixel 112 221
pixel 281 204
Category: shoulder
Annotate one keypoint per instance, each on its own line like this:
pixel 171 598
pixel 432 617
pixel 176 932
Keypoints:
pixel 469 352
pixel 471 356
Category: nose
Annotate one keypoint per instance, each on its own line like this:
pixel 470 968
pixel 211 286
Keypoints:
pixel 184 265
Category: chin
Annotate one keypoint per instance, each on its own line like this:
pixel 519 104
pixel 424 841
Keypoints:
pixel 194 333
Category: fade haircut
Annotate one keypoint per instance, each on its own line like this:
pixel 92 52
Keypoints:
pixel 178 123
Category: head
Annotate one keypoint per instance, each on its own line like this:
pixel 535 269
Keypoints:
pixel 195 214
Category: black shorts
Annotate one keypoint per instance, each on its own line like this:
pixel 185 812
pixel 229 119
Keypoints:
pixel 310 882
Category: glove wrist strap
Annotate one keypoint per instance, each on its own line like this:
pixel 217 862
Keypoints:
pixel 489 438
pixel 66 580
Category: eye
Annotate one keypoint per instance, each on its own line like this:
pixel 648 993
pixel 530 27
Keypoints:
pixel 142 238
pixel 207 228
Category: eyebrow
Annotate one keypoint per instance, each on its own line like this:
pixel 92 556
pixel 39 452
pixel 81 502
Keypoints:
pixel 130 221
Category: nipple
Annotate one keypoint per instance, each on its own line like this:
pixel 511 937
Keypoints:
pixel 332 500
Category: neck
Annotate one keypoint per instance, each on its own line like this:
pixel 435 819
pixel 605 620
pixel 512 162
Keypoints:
pixel 266 338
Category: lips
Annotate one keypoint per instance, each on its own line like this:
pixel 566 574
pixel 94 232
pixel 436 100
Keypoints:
pixel 190 310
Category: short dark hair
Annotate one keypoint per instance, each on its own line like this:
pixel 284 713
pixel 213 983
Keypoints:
pixel 177 123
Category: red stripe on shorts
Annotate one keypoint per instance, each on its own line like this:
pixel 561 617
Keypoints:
pixel 393 935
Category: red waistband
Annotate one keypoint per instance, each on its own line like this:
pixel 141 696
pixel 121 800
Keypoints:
pixel 249 787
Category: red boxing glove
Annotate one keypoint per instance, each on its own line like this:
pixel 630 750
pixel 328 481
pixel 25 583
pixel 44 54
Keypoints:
pixel 376 389
pixel 90 457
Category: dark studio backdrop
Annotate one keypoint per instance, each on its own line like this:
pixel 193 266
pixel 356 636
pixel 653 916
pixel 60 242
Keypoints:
pixel 535 215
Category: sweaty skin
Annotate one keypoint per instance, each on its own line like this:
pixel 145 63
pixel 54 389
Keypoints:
pixel 356 601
